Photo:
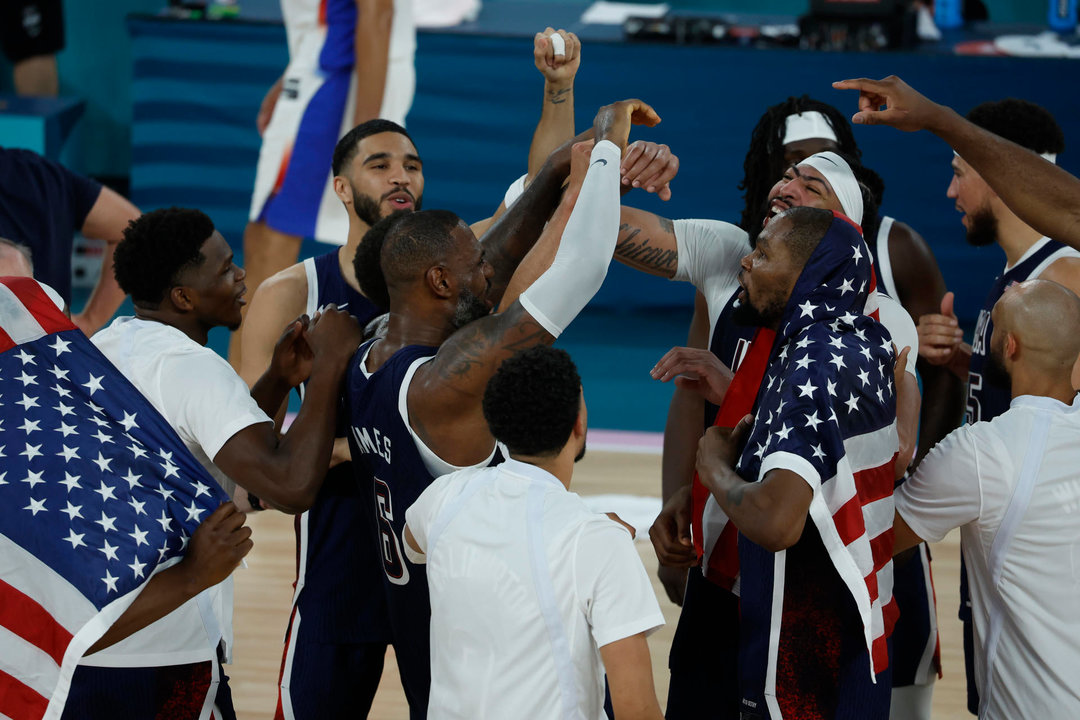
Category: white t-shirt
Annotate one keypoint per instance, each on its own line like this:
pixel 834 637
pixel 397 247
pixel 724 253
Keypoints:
pixel 709 255
pixel 206 403
pixel 526 585
pixel 1011 486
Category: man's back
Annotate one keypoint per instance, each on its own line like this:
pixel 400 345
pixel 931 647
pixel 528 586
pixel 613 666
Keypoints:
pixel 527 584
pixel 1011 485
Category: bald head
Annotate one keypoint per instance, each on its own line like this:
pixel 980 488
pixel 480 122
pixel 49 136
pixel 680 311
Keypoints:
pixel 1043 318
pixel 15 259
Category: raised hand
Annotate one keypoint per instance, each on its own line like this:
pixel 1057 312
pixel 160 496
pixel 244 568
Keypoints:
pixel 334 333
pixel 558 68
pixel 694 369
pixel 905 108
pixel 291 361
pixel 940 335
pixel 651 166
pixel 613 121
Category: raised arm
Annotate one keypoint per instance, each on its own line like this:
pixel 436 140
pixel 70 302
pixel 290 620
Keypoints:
pixel 374 20
pixel 1041 194
pixel 557 55
pixel 287 471
pixel 106 221
pixel 443 398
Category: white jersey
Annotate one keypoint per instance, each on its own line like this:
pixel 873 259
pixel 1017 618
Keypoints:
pixel 206 403
pixel 1010 484
pixel 527 584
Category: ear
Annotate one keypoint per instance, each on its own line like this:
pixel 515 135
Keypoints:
pixel 579 425
pixel 183 298
pixel 343 190
pixel 1012 347
pixel 439 280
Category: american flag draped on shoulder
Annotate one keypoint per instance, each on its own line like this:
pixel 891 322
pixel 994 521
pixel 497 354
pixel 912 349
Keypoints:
pixel 96 492
pixel 827 411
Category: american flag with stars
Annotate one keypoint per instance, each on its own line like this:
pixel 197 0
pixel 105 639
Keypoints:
pixel 826 410
pixel 96 492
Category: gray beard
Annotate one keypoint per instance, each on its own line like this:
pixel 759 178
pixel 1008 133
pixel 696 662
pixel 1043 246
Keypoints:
pixel 469 308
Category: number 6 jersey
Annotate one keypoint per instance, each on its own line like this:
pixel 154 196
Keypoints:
pixel 393 467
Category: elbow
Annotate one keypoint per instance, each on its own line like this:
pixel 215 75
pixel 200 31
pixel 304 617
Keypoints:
pixel 291 501
pixel 780 533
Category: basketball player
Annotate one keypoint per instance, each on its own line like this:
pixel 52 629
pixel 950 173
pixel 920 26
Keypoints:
pixel 707 253
pixel 805 478
pixel 1028 255
pixel 349 61
pixel 413 396
pixel 337 638
pixel 1044 196
pixel 1010 486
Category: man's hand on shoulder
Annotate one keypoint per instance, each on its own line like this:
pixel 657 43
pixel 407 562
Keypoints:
pixel 334 334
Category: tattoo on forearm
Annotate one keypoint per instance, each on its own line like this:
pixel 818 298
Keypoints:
pixel 638 251
pixel 735 494
pixel 558 97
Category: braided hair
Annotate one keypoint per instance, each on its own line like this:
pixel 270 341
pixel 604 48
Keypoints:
pixel 764 163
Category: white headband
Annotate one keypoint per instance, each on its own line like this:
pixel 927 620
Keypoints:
pixel 842 180
pixel 1052 157
pixel 810 124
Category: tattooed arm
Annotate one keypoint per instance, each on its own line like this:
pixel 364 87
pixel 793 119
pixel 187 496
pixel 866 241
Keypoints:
pixel 445 395
pixel 647 243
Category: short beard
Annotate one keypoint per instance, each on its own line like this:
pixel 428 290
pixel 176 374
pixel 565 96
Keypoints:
pixel 368 209
pixel 749 316
pixel 469 307
pixel 983 230
pixel 995 374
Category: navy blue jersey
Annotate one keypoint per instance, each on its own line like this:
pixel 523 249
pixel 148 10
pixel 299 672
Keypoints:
pixel 391 473
pixel 337 560
pixel 729 342
pixel 987 399
pixel 42 206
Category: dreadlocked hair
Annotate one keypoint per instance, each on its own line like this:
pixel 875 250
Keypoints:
pixel 764 163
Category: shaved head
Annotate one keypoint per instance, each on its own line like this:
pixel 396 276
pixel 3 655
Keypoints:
pixel 1044 318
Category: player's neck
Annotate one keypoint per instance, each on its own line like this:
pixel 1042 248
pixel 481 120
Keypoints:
pixel 561 465
pixel 346 253
pixel 409 326
pixel 184 323
pixel 1014 236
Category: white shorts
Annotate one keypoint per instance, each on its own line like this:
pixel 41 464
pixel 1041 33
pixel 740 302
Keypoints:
pixel 294 191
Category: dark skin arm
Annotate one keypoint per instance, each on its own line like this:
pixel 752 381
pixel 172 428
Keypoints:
pixel 921 287
pixel 1043 195
pixel 287 471
pixel 647 243
pixel 444 397
pixel 773 512
pixel 216 547
pixel 670 533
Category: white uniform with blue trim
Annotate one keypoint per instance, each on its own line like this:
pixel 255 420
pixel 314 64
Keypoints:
pixel 294 190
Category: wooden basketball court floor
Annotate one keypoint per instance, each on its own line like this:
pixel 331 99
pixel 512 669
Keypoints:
pixel 264 590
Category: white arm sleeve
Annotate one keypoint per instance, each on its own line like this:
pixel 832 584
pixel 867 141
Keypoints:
pixel 514 191
pixel 588 242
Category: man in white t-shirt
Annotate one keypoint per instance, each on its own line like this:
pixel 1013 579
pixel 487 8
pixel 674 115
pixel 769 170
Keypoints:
pixel 182 280
pixel 533 596
pixel 1010 485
